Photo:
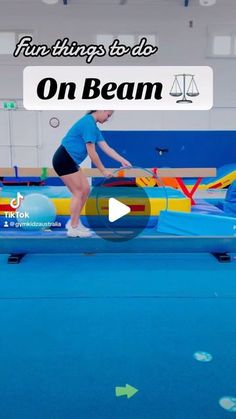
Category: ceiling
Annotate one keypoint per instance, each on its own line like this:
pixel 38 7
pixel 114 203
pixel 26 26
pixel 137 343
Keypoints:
pixel 124 2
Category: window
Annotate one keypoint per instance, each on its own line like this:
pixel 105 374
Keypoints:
pixel 126 39
pixel 105 40
pixel 221 41
pixel 151 39
pixel 235 45
pixel 8 40
pixel 20 35
pixel 222 45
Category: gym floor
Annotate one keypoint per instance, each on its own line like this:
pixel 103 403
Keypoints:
pixel 75 327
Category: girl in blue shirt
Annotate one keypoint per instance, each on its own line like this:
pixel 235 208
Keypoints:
pixel 80 142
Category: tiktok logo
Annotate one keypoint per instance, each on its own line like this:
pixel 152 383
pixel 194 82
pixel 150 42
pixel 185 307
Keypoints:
pixel 16 202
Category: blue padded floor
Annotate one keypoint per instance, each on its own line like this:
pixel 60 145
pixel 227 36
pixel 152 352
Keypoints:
pixel 118 275
pixel 74 327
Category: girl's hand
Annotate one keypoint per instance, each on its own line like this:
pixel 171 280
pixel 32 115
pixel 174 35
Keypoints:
pixel 126 163
pixel 107 173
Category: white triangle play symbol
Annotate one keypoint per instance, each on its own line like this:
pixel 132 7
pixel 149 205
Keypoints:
pixel 117 210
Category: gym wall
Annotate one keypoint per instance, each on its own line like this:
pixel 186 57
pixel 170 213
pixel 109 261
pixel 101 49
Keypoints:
pixel 26 138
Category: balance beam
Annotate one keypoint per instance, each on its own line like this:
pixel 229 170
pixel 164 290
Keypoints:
pixel 121 172
pixel 58 243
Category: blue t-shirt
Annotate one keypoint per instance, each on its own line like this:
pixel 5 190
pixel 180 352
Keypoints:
pixel 83 131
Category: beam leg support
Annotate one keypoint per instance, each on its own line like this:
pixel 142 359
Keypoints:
pixel 15 258
pixel 222 257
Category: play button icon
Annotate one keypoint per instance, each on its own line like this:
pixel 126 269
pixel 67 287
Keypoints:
pixel 117 210
pixel 119 213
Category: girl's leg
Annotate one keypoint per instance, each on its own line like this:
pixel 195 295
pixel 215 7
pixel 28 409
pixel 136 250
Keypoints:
pixel 78 184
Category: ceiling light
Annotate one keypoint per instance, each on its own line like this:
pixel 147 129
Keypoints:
pixel 207 2
pixel 50 1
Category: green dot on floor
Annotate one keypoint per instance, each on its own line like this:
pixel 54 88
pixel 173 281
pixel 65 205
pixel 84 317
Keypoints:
pixel 228 403
pixel 202 356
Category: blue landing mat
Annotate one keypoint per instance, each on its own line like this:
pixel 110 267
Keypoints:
pixel 118 275
pixel 63 359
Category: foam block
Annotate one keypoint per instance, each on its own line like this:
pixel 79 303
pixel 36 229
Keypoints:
pixel 204 207
pixel 231 193
pixel 194 224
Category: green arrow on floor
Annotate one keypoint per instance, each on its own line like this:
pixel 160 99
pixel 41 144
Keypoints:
pixel 128 391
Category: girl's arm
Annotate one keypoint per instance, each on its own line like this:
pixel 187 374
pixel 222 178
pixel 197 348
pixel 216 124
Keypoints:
pixel 96 160
pixel 113 154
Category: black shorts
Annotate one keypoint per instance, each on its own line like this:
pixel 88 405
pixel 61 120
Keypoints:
pixel 62 162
